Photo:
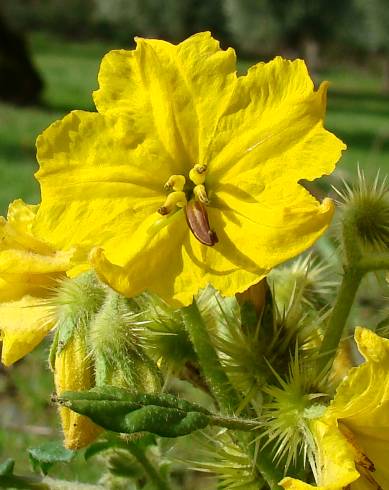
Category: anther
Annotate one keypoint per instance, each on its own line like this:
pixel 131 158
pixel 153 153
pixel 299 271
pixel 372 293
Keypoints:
pixel 174 199
pixel 197 174
pixel 197 219
pixel 201 194
pixel 175 183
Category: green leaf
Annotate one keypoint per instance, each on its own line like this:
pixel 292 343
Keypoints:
pixel 119 410
pixel 7 468
pixel 43 457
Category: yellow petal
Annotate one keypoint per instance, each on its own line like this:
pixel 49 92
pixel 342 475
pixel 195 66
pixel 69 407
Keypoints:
pixel 73 371
pixel 174 265
pixel 23 325
pixel 270 231
pixel 274 124
pixel 362 402
pixel 335 461
pixel 355 427
pixel 29 270
pixel 96 179
pixel 181 91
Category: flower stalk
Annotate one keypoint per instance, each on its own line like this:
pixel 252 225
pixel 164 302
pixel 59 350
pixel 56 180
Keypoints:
pixel 159 483
pixel 346 294
pixel 224 393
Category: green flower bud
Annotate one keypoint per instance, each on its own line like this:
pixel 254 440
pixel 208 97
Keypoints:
pixel 365 213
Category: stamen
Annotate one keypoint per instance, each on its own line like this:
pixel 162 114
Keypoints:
pixel 197 219
pixel 360 457
pixel 201 194
pixel 174 199
pixel 197 174
pixel 369 477
pixel 175 183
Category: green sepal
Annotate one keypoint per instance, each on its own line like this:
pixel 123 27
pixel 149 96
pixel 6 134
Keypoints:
pixel 119 410
pixel 53 350
pixel 43 457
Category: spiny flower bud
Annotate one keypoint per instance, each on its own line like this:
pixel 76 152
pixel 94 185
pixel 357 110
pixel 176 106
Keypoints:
pixel 288 410
pixel 74 304
pixel 305 281
pixel 77 300
pixel 365 212
pixel 164 335
pixel 73 371
pixel 119 358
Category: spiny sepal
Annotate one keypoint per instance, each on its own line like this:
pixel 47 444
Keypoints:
pixel 116 346
pixel 289 407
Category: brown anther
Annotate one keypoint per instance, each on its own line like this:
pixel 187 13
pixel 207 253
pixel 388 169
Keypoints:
pixel 197 219
pixel 213 237
pixel 163 210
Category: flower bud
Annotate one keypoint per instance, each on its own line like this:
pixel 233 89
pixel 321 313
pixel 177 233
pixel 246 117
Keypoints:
pixel 365 214
pixel 119 358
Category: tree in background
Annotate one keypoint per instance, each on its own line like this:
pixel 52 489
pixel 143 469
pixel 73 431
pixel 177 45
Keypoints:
pixel 174 20
pixel 20 82
pixel 253 25
pixel 371 31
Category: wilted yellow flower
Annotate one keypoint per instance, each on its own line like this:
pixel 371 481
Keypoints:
pixel 29 268
pixel 188 174
pixel 352 437
pixel 73 371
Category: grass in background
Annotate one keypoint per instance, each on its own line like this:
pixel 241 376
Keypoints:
pixel 358 113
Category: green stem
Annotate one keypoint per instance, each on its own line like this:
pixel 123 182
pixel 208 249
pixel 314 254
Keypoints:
pixel 374 262
pixel 234 423
pixel 154 476
pixel 269 470
pixel 226 395
pixel 337 321
pixel 13 481
pixel 217 379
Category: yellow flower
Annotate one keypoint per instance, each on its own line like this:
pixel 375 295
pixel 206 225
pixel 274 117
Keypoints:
pixel 352 437
pixel 29 268
pixel 188 174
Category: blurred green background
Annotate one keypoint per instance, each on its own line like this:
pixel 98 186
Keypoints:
pixel 50 52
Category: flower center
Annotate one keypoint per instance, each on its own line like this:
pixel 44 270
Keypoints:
pixel 190 194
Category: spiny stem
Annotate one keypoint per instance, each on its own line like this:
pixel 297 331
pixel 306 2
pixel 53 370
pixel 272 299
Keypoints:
pixel 234 423
pixel 159 483
pixel 217 379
